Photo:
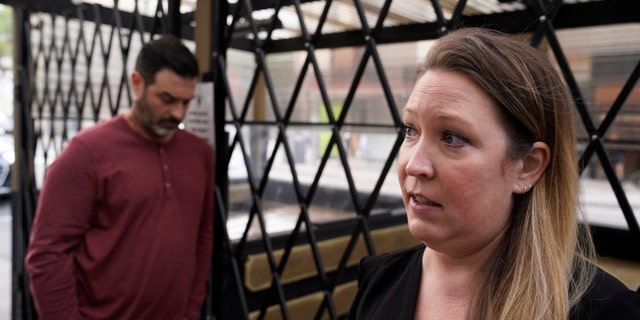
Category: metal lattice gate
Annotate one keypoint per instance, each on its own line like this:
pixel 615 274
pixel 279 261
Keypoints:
pixel 73 72
pixel 243 122
pixel 289 132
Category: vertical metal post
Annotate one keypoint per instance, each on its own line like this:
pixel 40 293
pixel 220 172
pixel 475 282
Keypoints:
pixel 175 18
pixel 202 38
pixel 258 146
pixel 219 43
pixel 24 194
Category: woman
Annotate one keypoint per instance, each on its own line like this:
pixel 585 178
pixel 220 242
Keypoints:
pixel 489 179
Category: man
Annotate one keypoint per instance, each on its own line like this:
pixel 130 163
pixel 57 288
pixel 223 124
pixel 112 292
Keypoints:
pixel 124 226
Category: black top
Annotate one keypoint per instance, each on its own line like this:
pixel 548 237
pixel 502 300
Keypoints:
pixel 388 288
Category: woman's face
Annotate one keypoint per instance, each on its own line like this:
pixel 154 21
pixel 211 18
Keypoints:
pixel 457 184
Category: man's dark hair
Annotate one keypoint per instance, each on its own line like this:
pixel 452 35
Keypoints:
pixel 166 52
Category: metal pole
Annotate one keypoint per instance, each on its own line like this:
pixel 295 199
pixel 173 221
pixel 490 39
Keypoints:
pixel 219 43
pixel 24 193
pixel 175 18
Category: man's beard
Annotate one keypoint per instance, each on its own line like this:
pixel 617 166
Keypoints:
pixel 155 129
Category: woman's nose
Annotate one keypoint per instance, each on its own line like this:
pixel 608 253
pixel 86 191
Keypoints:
pixel 419 162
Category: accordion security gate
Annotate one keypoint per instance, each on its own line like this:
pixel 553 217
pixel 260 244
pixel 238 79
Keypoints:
pixel 72 67
pixel 276 151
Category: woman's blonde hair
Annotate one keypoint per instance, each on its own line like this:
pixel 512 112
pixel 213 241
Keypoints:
pixel 542 267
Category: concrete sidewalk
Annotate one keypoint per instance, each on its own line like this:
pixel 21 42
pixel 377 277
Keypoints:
pixel 602 207
pixel 5 288
pixel 5 268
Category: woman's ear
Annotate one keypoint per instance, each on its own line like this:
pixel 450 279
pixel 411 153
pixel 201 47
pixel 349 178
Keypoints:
pixel 533 165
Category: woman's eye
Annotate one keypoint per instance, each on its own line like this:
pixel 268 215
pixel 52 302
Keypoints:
pixel 410 131
pixel 453 139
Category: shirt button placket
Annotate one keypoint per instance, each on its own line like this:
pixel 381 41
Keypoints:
pixel 165 169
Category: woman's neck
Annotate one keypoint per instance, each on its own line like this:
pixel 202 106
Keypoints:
pixel 448 283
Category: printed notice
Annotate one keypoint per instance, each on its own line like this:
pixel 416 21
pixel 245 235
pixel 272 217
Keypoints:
pixel 199 117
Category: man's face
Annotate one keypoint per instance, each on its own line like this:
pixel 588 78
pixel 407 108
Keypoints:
pixel 162 105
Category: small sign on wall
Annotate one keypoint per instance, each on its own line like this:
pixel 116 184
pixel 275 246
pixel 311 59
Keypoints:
pixel 199 117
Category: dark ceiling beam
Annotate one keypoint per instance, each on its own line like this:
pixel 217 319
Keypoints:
pixel 266 4
pixel 597 13
pixel 405 33
pixel 584 14
pixel 106 17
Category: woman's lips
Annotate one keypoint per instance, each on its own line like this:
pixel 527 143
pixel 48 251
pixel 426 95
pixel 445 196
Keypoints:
pixel 423 201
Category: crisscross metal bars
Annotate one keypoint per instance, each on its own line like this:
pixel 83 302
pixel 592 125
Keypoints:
pixel 305 194
pixel 546 12
pixel 120 31
pixel 574 15
pixel 239 120
pixel 538 18
pixel 73 72
pixel 81 76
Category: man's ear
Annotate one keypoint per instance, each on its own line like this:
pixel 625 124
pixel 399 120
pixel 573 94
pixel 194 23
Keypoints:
pixel 137 84
pixel 533 166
